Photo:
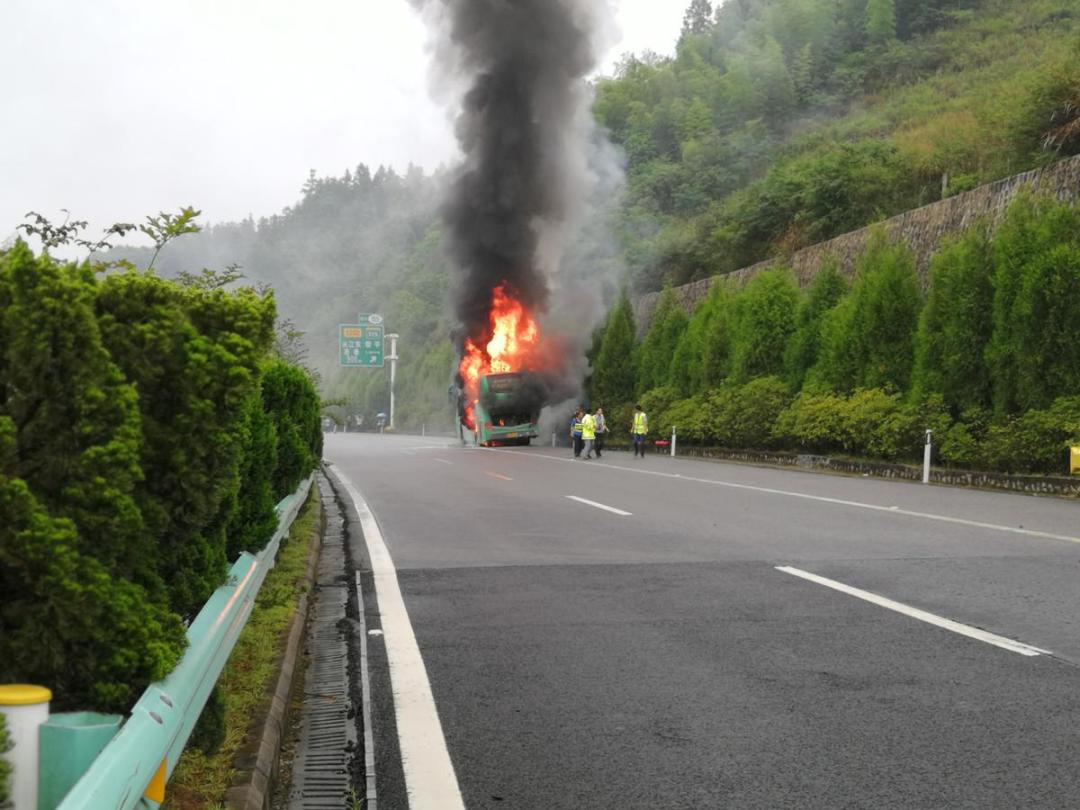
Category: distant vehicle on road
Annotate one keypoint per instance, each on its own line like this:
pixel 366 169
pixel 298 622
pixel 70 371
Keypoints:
pixel 508 410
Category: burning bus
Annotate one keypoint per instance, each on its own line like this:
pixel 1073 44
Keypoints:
pixel 501 397
pixel 508 409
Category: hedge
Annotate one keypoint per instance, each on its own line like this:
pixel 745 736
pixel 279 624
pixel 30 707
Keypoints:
pixel 139 453
pixel 871 423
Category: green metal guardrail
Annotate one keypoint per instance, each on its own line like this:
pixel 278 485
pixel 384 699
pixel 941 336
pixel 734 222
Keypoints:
pixel 132 769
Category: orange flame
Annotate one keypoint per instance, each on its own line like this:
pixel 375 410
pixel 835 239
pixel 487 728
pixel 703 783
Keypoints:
pixel 511 336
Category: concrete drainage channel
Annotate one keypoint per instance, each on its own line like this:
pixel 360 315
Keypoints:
pixel 334 761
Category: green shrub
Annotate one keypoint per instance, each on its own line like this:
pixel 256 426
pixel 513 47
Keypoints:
pixel 869 419
pixel 195 356
pixel 746 415
pixel 814 421
pixel 687 417
pixel 619 421
pixel 656 402
pixel 963 444
pixel 77 426
pixel 293 405
pixel 254 518
pixel 1036 441
pixel 94 639
pixel 209 732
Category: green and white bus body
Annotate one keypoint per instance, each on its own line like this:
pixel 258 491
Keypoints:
pixel 508 409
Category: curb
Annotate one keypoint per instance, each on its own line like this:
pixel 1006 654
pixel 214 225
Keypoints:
pixel 1045 485
pixel 256 761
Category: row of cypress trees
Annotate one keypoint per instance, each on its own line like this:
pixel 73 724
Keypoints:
pixel 990 344
pixel 146 432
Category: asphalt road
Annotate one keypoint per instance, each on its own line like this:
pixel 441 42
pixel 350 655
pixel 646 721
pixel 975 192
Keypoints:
pixel 581 658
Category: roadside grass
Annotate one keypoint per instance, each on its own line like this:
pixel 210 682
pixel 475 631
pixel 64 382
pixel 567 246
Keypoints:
pixel 200 781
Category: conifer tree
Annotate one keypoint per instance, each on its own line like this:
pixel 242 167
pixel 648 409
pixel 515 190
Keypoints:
pixel 719 330
pixel 1033 353
pixel 824 292
pixel 698 18
pixel 614 373
pixel 764 320
pixel 880 21
pixel 956 325
pixel 687 363
pixel 669 321
pixel 868 339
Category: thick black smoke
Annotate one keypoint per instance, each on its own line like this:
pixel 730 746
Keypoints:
pixel 525 63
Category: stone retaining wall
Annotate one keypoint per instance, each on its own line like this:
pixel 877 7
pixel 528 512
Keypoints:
pixel 921 229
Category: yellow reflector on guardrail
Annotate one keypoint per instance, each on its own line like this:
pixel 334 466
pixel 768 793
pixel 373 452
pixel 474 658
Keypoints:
pixel 155 791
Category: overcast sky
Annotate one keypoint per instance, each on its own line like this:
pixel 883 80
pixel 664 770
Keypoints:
pixel 116 109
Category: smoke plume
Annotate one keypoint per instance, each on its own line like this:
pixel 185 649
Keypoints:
pixel 524 127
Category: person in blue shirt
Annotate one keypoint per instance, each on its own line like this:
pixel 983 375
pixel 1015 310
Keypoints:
pixel 575 433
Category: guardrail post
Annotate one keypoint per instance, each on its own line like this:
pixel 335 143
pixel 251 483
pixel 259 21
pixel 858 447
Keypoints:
pixel 70 742
pixel 25 707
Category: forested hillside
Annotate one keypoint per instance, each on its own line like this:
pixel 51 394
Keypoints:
pixel 780 123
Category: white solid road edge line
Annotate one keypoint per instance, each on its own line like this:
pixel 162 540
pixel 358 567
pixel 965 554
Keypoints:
pixel 600 506
pixel 921 615
pixel 430 780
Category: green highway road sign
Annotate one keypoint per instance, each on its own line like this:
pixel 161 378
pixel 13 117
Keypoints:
pixel 361 344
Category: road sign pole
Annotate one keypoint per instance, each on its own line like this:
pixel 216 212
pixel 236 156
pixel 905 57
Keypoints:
pixel 393 372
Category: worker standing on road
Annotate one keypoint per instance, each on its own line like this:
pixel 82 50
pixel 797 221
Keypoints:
pixel 601 429
pixel 575 433
pixel 638 431
pixel 588 433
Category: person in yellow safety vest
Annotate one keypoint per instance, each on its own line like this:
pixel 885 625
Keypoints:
pixel 638 431
pixel 588 433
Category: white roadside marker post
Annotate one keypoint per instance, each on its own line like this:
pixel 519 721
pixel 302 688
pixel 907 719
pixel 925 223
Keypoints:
pixel 673 441
pixel 926 458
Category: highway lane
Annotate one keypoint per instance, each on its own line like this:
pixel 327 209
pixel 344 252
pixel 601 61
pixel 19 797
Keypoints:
pixel 583 658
